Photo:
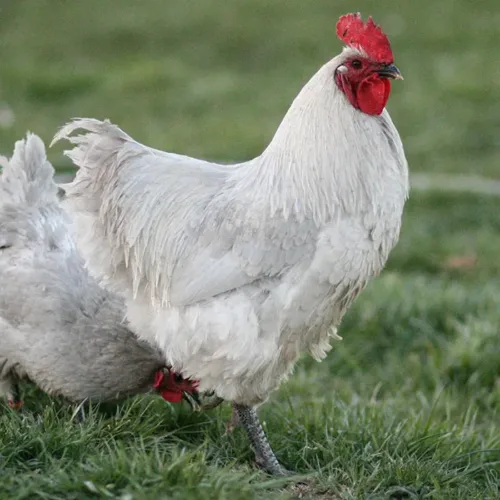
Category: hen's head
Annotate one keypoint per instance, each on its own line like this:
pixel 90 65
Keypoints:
pixel 366 68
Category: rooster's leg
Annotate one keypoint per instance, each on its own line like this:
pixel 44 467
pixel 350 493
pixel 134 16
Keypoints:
pixel 264 454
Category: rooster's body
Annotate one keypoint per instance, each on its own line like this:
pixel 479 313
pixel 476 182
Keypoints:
pixel 234 271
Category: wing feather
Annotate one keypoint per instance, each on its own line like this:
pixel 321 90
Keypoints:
pixel 168 226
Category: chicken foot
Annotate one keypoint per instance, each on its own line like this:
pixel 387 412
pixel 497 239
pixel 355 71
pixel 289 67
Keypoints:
pixel 264 455
pixel 247 417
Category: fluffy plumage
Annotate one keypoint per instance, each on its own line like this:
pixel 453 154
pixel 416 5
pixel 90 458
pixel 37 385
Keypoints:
pixel 234 271
pixel 58 328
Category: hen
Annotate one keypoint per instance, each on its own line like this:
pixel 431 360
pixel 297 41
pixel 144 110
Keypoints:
pixel 58 328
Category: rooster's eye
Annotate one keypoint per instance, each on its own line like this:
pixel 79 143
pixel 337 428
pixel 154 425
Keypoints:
pixel 356 64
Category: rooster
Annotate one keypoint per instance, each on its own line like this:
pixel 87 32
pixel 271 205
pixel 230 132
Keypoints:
pixel 234 271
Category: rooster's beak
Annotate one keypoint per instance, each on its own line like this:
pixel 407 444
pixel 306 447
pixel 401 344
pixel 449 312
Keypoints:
pixel 390 71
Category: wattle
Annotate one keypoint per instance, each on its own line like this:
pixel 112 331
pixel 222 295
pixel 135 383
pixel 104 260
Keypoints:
pixel 372 94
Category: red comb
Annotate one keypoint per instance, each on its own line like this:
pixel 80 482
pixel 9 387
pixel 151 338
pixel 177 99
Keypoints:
pixel 367 37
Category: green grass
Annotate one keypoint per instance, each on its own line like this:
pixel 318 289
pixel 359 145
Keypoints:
pixel 408 401
pixel 406 406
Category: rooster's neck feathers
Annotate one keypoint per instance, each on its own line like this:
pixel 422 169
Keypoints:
pixel 332 157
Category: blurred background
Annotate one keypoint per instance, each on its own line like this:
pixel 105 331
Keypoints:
pixel 412 395
pixel 213 79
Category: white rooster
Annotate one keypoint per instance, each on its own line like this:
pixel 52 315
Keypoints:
pixel 234 271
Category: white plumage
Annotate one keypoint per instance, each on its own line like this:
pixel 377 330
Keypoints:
pixel 233 271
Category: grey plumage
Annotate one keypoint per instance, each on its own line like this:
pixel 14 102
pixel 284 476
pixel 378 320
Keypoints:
pixel 58 327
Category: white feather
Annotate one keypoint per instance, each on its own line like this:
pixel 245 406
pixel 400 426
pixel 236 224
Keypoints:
pixel 235 270
pixel 57 326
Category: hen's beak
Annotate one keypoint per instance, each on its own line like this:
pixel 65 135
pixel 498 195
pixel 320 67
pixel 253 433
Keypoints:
pixel 390 71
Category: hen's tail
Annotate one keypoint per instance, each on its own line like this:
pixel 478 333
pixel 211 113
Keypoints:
pixel 28 177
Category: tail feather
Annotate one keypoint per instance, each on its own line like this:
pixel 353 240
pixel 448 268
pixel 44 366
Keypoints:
pixel 28 177
pixel 91 125
pixel 130 204
pixel 97 152
pixel 99 144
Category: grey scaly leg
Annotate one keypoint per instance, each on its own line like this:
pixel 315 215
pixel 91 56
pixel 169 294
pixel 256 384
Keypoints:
pixel 264 454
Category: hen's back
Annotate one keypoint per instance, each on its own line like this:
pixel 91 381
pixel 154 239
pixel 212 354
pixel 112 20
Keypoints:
pixel 58 327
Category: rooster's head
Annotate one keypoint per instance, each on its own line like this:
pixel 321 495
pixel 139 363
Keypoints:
pixel 367 66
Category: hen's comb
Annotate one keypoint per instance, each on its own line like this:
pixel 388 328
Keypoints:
pixel 368 37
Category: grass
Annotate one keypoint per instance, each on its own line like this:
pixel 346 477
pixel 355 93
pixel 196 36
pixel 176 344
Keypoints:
pixel 407 402
pixel 407 405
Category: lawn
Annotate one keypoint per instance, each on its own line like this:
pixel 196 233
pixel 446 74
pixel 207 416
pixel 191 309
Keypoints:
pixel 407 405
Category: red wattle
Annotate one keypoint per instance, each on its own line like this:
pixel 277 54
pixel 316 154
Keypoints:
pixel 171 396
pixel 372 94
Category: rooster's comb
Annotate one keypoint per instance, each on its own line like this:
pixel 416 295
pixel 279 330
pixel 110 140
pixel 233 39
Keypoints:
pixel 365 36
